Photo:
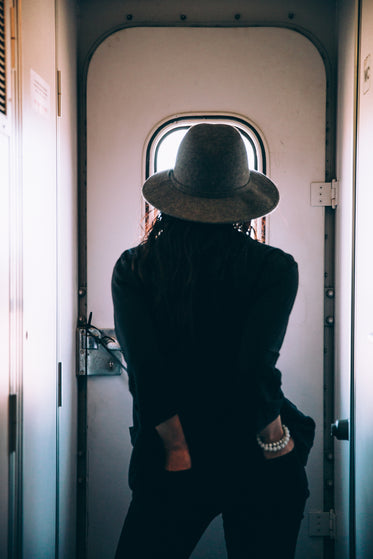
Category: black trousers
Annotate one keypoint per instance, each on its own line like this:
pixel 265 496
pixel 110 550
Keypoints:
pixel 261 521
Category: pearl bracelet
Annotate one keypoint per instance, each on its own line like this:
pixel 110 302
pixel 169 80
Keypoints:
pixel 278 445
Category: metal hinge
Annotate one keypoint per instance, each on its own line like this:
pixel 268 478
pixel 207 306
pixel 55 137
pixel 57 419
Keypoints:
pixel 12 423
pixel 59 93
pixel 324 194
pixel 322 524
pixel 59 384
pixel 13 37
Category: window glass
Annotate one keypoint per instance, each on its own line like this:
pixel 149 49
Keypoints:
pixel 165 154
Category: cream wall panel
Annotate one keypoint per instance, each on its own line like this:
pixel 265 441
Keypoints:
pixel 39 278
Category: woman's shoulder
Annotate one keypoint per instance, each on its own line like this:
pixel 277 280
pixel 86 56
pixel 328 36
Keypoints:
pixel 125 265
pixel 128 256
pixel 273 261
pixel 270 253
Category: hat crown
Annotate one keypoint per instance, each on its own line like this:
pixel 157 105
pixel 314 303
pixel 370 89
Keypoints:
pixel 211 181
pixel 211 161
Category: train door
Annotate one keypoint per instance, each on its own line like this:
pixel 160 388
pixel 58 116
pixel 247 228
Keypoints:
pixel 272 78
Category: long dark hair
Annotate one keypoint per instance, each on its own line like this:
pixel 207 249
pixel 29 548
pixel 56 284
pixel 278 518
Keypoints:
pixel 175 255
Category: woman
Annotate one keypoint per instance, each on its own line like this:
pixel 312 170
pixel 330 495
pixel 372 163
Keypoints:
pixel 201 310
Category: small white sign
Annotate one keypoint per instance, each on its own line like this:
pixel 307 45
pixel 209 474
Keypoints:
pixel 40 94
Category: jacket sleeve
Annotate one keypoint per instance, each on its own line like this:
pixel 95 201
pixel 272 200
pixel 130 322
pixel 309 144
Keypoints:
pixel 150 374
pixel 263 336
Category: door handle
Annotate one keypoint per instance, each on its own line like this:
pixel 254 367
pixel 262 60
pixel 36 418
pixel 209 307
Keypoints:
pixel 340 429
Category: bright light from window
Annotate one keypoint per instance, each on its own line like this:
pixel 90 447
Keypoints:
pixel 167 149
pixel 168 146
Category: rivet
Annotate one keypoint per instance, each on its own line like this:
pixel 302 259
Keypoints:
pixel 330 320
pixel 330 483
pixel 129 17
pixel 329 456
pixel 183 17
pixel 81 292
pixel 237 16
pixel 330 293
pixel 291 15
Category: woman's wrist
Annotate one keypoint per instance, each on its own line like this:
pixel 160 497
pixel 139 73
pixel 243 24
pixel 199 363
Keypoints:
pixel 177 460
pixel 288 448
pixel 172 434
pixel 272 432
pixel 275 439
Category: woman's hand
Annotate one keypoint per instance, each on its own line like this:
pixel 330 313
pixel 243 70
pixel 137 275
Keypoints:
pixel 273 433
pixel 175 446
pixel 178 460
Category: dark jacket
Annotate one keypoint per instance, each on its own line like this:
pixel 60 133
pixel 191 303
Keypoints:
pixel 220 377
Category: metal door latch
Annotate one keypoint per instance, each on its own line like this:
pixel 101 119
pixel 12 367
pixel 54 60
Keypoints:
pixel 340 429
pixel 99 352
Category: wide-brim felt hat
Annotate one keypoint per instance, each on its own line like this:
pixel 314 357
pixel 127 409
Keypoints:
pixel 211 181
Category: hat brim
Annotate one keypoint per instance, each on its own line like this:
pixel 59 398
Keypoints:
pixel 257 198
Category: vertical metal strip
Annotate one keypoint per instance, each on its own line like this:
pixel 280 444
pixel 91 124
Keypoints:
pixel 82 491
pixel 352 489
pixel 329 301
pixel 82 521
pixel 329 330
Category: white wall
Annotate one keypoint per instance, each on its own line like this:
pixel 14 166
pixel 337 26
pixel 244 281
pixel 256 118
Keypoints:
pixel 67 283
pixel 38 263
pixel 39 278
